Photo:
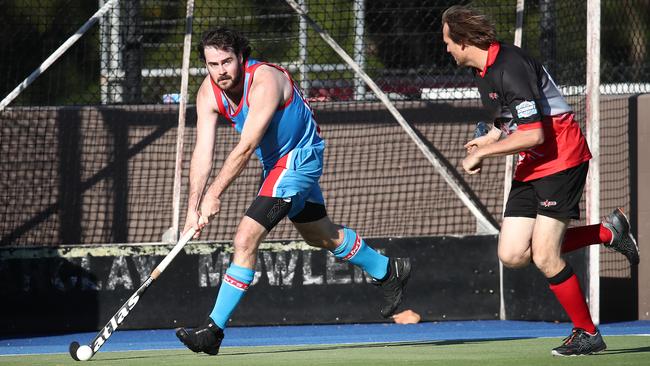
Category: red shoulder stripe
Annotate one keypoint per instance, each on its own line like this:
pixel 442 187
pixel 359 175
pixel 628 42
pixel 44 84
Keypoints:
pixel 217 96
pixel 251 71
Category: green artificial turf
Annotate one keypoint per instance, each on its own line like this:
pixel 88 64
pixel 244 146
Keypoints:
pixel 622 350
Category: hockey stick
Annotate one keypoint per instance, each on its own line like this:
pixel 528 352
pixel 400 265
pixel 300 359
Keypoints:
pixel 86 352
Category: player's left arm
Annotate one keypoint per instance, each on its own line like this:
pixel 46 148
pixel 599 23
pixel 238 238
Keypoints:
pixel 264 98
pixel 520 95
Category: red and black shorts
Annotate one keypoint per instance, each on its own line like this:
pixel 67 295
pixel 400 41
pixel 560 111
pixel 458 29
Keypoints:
pixel 556 195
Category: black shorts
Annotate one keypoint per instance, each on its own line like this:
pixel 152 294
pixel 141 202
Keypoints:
pixel 557 195
pixel 269 211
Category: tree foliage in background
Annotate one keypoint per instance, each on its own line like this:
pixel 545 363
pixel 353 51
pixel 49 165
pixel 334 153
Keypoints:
pixel 625 41
pixel 402 38
pixel 31 30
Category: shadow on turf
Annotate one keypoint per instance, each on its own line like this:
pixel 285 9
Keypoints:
pixel 374 345
pixel 257 351
pixel 627 350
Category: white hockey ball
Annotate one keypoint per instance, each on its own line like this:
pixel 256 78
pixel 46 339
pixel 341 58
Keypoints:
pixel 84 353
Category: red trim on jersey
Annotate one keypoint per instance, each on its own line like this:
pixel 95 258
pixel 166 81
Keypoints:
pixel 493 51
pixel 293 85
pixel 241 103
pixel 235 282
pixel 293 88
pixel 290 98
pixel 273 177
pixel 251 71
pixel 564 147
pixel 217 96
pixel 354 250
pixel 286 73
pixel 530 126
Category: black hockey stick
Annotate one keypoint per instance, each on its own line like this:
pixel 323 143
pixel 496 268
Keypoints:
pixel 86 352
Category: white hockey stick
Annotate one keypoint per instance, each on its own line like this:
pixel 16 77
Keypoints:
pixel 86 352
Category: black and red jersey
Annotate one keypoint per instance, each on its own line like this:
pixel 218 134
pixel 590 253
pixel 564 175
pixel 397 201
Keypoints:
pixel 516 87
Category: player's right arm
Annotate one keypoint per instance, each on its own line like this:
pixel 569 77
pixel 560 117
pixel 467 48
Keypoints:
pixel 201 163
pixel 520 95
pixel 517 87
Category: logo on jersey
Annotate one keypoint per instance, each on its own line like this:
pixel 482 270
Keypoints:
pixel 526 109
pixel 493 96
pixel 548 203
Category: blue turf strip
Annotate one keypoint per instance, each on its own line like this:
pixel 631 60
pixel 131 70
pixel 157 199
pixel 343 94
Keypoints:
pixel 129 340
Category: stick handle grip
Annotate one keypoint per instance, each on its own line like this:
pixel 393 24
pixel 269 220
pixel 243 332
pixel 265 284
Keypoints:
pixel 172 254
pixel 481 129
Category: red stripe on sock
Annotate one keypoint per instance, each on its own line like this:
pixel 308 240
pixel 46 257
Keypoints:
pixel 582 236
pixel 573 301
pixel 355 248
pixel 235 282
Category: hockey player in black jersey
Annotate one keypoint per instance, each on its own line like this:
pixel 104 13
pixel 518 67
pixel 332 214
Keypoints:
pixel 533 120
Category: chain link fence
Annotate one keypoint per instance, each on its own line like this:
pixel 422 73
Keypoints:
pixel 88 149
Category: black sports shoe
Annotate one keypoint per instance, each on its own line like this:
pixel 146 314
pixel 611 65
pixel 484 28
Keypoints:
pixel 622 240
pixel 205 339
pixel 399 271
pixel 580 343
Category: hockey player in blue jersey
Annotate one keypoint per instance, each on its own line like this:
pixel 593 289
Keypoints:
pixel 275 122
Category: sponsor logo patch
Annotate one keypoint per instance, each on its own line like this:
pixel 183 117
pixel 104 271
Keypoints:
pixel 548 203
pixel 526 109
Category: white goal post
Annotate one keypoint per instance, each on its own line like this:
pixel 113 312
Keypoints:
pixel 593 139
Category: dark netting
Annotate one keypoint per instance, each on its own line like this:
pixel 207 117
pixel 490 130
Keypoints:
pixel 555 34
pixel 625 70
pixel 88 148
pixel 87 151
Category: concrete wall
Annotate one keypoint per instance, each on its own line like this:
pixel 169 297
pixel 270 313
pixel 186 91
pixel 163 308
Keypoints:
pixel 453 278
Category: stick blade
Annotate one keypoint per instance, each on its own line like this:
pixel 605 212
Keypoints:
pixel 74 346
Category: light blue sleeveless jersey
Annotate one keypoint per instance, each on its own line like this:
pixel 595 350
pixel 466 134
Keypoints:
pixel 291 151
pixel 292 126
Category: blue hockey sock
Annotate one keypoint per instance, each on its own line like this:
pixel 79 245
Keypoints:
pixel 356 251
pixel 234 285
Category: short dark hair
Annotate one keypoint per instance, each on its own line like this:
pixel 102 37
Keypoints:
pixel 468 26
pixel 224 39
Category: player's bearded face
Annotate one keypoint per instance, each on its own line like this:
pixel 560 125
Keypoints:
pixel 225 67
